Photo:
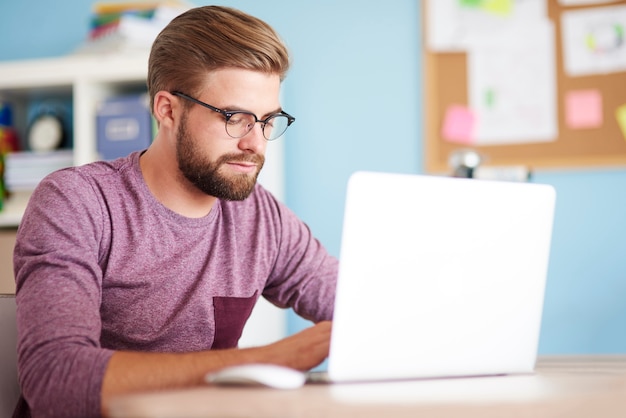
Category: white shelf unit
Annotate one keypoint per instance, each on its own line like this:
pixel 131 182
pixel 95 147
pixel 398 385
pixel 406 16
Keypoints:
pixel 85 80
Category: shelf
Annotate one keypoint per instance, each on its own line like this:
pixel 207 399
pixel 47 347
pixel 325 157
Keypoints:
pixel 13 209
pixel 65 72
pixel 82 79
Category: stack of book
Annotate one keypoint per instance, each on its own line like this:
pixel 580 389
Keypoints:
pixel 127 26
pixel 23 170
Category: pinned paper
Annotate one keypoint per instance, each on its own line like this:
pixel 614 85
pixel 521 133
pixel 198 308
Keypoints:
pixel 514 103
pixel 620 114
pixel 593 40
pixel 458 125
pixel 583 109
pixel 454 25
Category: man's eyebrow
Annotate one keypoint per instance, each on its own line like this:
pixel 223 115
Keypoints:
pixel 280 109
pixel 241 109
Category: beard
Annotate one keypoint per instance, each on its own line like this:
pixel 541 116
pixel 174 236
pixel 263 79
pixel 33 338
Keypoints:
pixel 205 174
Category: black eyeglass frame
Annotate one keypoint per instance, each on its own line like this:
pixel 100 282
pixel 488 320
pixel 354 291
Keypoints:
pixel 230 113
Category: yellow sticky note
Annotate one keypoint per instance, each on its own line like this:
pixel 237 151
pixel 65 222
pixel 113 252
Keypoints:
pixel 620 114
pixel 500 7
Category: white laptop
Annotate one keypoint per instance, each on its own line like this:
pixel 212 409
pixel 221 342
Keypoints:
pixel 439 277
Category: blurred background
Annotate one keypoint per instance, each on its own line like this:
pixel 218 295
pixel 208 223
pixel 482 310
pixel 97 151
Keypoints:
pixel 356 87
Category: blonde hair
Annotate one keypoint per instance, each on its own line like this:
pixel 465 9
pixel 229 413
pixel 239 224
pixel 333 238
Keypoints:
pixel 204 39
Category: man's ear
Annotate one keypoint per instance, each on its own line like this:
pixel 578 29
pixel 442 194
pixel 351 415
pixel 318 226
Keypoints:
pixel 164 110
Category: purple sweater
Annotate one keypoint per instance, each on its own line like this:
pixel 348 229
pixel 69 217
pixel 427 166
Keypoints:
pixel 101 265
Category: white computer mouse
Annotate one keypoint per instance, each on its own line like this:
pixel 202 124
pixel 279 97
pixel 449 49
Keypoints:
pixel 269 375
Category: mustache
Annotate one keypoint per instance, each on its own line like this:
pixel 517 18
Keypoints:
pixel 242 158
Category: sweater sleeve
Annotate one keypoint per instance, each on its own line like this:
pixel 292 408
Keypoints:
pixel 305 274
pixel 58 293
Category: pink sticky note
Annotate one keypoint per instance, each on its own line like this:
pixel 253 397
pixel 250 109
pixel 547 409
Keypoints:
pixel 458 125
pixel 583 109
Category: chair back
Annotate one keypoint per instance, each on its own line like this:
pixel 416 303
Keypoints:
pixel 9 386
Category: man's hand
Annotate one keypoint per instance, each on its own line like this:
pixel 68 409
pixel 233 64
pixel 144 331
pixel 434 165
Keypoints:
pixel 129 372
pixel 303 350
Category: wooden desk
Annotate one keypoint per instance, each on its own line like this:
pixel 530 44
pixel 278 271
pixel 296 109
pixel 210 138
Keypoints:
pixel 589 386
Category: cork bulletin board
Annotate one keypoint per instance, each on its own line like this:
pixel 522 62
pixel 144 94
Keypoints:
pixel 599 143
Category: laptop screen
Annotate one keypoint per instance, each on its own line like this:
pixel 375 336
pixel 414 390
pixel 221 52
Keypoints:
pixel 439 277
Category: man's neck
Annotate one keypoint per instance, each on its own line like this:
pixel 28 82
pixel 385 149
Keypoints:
pixel 168 185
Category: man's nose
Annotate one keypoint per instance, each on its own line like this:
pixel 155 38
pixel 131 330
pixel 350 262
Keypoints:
pixel 254 140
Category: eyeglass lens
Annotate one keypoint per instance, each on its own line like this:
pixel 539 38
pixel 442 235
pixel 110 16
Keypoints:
pixel 240 124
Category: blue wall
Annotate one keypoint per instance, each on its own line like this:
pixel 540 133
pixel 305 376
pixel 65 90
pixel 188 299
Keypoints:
pixel 355 88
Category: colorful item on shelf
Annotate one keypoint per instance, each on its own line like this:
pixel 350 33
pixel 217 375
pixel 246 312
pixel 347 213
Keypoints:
pixel 128 26
pixel 8 143
pixel 107 16
pixel 104 24
pixel 8 137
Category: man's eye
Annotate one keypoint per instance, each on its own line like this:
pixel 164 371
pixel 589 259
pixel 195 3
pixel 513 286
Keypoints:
pixel 236 120
pixel 270 123
pixel 242 119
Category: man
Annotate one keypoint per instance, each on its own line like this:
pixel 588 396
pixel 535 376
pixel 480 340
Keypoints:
pixel 140 273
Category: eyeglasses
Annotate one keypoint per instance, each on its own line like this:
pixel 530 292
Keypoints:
pixel 240 122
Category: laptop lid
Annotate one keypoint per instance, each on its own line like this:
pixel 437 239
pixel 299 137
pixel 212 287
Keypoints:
pixel 439 277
